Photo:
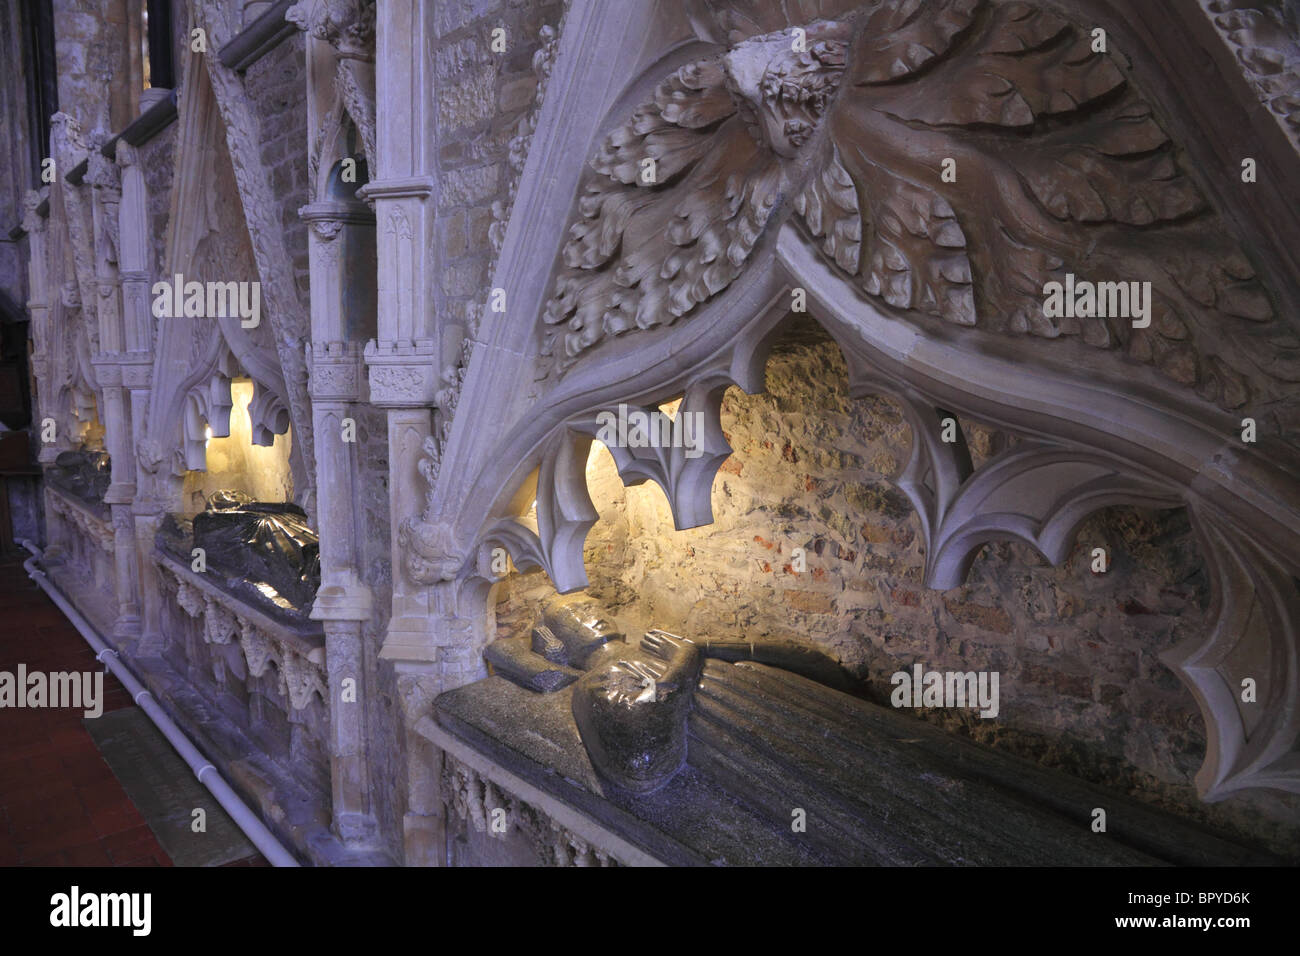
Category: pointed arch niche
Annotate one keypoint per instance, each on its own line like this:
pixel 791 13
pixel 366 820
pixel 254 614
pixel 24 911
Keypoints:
pixel 210 371
pixel 1081 435
pixel 1076 447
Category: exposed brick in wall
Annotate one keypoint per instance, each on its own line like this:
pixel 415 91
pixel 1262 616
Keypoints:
pixel 481 96
pixel 1081 684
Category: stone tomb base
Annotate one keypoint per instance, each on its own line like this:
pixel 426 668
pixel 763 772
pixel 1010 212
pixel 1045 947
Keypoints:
pixel 782 770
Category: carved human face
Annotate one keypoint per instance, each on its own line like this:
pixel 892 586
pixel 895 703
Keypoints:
pixel 786 81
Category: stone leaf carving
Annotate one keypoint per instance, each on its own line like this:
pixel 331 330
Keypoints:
pixel 1060 169
pixel 679 195
pixel 219 625
pixel 1265 35
pixel 474 798
pixel 190 599
pixel 302 680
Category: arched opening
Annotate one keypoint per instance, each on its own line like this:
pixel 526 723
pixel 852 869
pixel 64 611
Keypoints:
pixel 813 542
pixel 236 462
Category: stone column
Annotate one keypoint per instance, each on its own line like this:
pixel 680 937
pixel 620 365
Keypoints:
pixel 404 361
pixel 102 176
pixel 135 272
pixel 39 295
pixel 343 602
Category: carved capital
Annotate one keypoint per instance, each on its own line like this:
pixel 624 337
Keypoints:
pixel 347 25
pixel 402 374
pixel 336 372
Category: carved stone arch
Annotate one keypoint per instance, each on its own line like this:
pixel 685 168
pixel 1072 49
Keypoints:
pixel 341 39
pixel 196 357
pixel 336 141
pixel 933 292
pixel 67 339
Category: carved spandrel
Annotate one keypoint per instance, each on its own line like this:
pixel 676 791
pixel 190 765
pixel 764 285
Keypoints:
pixel 1043 133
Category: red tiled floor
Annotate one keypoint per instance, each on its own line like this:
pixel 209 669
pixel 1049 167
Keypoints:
pixel 60 804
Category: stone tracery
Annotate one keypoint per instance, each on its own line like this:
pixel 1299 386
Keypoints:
pixel 796 164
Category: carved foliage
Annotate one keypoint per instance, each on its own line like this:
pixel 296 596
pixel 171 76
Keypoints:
pixel 481 803
pixel 1043 135
pixel 681 193
pixel 1266 37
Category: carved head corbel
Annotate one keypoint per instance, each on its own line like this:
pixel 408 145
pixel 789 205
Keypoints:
pixel 783 82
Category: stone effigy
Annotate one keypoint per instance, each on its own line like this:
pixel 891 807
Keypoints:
pixel 631 702
pixel 764 751
pixel 82 473
pixel 270 542
pixel 264 550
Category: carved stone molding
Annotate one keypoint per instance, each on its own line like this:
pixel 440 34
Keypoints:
pixel 284 311
pixel 337 373
pixel 1245 679
pixel 402 375
pixel 479 802
pixel 1060 169
pixel 1036 492
pixel 298 657
pixel 92 527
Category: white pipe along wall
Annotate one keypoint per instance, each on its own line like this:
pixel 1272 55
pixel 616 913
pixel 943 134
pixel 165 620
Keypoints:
pixel 244 818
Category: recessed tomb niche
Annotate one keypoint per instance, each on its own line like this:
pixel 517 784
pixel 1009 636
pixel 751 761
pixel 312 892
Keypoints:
pixel 813 565
pixel 240 511
pixel 254 465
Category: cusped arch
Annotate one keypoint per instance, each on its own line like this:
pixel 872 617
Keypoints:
pixel 913 302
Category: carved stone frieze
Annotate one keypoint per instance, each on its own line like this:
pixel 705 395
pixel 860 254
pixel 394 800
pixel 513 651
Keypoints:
pixel 298 660
pixel 93 528
pixel 1265 35
pixel 486 807
pixel 401 381
pixel 951 158
pixel 336 373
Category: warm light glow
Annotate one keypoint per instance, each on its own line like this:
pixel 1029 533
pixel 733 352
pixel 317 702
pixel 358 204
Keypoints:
pixel 234 462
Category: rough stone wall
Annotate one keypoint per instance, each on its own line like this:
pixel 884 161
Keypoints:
pixel 482 96
pixel 277 88
pixel 1081 685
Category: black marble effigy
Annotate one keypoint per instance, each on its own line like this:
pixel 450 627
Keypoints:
pixel 263 551
pixel 706 751
pixel 84 474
